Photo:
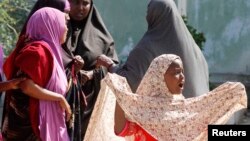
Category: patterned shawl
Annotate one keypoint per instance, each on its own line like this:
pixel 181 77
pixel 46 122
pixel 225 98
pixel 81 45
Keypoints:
pixel 167 116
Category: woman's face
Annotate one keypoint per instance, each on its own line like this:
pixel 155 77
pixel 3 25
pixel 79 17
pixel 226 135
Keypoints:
pixel 174 77
pixel 63 38
pixel 79 9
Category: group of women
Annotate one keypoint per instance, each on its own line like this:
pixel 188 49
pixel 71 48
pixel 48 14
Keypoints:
pixel 63 53
pixel 52 41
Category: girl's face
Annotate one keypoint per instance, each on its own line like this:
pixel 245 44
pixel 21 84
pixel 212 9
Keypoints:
pixel 174 77
pixel 63 38
pixel 79 9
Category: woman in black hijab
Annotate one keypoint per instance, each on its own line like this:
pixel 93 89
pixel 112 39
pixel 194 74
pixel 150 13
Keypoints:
pixel 87 38
pixel 166 34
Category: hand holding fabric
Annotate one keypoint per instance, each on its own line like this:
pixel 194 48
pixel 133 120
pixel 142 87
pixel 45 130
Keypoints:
pixel 86 75
pixel 78 62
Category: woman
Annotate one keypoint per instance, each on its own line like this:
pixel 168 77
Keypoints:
pixel 36 111
pixel 167 33
pixel 88 38
pixel 159 107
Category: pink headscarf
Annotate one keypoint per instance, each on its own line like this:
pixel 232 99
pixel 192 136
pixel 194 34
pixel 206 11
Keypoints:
pixel 48 24
pixel 67 6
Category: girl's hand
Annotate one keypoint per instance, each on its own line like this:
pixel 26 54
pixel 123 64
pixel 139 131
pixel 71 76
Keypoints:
pixel 65 105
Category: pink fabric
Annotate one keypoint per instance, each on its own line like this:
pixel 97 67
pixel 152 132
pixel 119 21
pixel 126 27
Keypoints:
pixel 1 59
pixel 48 24
pixel 67 6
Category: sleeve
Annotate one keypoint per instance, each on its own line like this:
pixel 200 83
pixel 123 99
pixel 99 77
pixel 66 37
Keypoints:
pixel 126 130
pixel 132 129
pixel 111 52
pixel 36 62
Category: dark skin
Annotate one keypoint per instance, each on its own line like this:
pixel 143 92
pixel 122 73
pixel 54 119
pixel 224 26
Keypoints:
pixel 78 63
pixel 79 9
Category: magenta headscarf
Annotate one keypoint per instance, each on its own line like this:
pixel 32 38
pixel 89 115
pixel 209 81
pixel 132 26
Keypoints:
pixel 48 24
pixel 1 59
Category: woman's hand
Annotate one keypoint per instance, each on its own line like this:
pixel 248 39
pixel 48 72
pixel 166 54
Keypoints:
pixel 78 63
pixel 86 75
pixel 15 82
pixel 11 84
pixel 105 61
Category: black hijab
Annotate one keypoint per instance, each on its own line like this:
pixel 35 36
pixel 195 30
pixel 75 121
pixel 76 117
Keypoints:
pixel 88 38
pixel 167 34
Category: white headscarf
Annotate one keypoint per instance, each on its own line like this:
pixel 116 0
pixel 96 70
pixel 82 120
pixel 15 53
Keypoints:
pixel 172 117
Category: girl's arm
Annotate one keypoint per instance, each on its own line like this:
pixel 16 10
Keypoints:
pixel 35 91
pixel 120 119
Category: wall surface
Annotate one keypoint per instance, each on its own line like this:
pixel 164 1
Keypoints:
pixel 226 25
pixel 126 21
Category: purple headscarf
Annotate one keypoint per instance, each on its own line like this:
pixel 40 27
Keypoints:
pixel 49 25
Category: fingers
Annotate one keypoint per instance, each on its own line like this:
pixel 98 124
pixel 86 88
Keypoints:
pixel 103 60
pixel 84 79
pixel 68 115
pixel 78 61
pixel 68 112
pixel 64 105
